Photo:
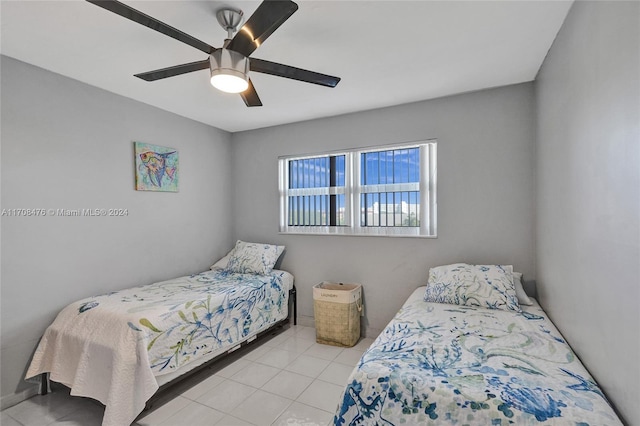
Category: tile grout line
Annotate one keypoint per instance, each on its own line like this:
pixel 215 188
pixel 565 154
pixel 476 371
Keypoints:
pixel 16 420
pixel 314 379
pixel 296 341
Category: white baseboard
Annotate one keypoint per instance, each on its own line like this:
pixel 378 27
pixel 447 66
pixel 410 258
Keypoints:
pixel 16 398
pixel 306 321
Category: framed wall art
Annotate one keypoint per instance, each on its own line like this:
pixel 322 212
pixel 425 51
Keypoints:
pixel 156 168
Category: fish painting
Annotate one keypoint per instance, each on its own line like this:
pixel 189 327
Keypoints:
pixel 156 168
pixel 156 165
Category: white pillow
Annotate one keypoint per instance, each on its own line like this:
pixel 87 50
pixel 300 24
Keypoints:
pixel 487 286
pixel 222 263
pixel 523 299
pixel 253 258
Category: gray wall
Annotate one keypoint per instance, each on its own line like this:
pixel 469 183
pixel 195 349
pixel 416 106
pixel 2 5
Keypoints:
pixel 69 145
pixel 485 194
pixel 588 193
pixel 564 210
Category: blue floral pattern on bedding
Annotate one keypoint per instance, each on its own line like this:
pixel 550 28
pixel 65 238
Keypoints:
pixel 186 318
pixel 114 347
pixel 486 286
pixel 253 258
pixel 438 364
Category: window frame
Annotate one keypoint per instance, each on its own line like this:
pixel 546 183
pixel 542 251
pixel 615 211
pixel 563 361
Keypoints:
pixel 353 189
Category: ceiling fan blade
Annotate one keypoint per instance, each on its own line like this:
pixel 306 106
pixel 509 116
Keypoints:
pixel 173 71
pixel 264 21
pixel 250 96
pixel 273 68
pixel 146 20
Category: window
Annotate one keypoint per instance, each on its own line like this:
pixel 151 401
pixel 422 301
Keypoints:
pixel 316 191
pixel 387 190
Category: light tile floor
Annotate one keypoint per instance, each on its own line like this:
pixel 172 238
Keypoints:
pixel 286 380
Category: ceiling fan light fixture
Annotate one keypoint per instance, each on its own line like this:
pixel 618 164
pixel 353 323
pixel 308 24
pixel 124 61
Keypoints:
pixel 229 83
pixel 229 71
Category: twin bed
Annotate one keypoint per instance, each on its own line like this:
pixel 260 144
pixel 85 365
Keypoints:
pixel 464 351
pixel 120 348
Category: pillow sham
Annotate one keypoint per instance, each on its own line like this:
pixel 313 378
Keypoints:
pixel 486 286
pixel 222 263
pixel 523 299
pixel 253 258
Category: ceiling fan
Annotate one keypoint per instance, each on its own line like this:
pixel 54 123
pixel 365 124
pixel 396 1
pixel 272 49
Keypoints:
pixel 230 64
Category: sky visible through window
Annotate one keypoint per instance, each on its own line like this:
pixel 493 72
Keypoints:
pixel 381 207
pixel 378 167
pixel 384 207
pixel 313 209
pixel 393 166
pixel 316 172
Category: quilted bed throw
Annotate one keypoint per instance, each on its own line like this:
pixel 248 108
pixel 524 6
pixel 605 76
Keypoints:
pixel 441 364
pixel 111 347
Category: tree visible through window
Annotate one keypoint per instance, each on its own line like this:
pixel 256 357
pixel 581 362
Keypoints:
pixel 381 191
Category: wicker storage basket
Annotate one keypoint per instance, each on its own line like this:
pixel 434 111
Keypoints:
pixel 337 308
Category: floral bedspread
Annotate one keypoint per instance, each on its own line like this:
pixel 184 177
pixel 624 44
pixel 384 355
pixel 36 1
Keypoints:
pixel 183 319
pixel 437 364
pixel 111 347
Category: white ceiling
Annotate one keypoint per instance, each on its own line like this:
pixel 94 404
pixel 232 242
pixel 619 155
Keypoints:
pixel 386 52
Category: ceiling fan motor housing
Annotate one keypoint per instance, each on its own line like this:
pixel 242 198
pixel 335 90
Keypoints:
pixel 224 62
